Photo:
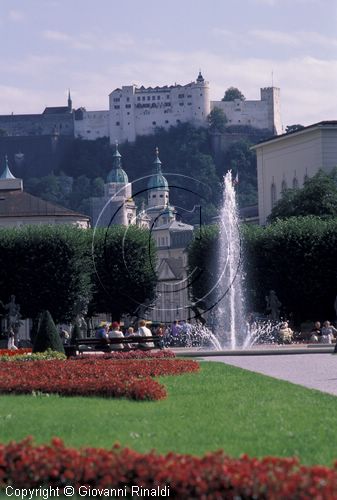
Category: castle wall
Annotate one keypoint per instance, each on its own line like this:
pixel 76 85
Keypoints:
pixel 262 114
pixel 43 124
pixel 140 111
pixel 91 125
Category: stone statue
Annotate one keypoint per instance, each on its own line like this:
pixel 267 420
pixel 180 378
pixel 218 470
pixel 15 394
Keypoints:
pixel 13 314
pixel 273 305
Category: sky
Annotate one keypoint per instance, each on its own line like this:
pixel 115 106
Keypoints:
pixel 93 47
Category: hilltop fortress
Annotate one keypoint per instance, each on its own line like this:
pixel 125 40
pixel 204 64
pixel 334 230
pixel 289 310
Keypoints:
pixel 135 111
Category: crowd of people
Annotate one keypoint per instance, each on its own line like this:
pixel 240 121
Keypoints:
pixel 325 334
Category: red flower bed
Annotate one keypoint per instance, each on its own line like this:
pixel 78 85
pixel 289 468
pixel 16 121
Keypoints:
pixel 92 377
pixel 14 352
pixel 137 354
pixel 214 476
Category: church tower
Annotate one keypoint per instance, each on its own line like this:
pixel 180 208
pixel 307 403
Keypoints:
pixel 70 103
pixel 159 208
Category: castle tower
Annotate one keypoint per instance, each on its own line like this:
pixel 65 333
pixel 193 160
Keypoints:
pixel 271 96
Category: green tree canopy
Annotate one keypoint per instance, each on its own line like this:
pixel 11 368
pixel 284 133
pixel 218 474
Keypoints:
pixel 217 121
pixel 317 197
pixel 233 93
pixel 294 128
pixel 124 276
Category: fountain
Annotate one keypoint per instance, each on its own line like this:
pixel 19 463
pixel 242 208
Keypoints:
pixel 230 326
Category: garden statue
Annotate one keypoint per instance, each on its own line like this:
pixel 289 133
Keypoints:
pixel 13 314
pixel 273 305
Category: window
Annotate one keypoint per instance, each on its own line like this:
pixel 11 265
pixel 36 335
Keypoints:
pixel 167 104
pixel 117 124
pixel 153 196
pixel 154 123
pixel 153 98
pixel 128 105
pixel 116 107
pixel 116 99
pixel 161 196
pixel 128 99
pixel 168 96
pixel 181 104
pixel 138 98
pixel 158 97
pixel 143 98
pixel 166 121
pixel 148 98
pixel 181 96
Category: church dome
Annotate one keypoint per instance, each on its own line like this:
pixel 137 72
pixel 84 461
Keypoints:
pixel 157 180
pixel 117 175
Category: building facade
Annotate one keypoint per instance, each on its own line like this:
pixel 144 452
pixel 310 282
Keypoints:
pixel 262 114
pixel 288 160
pixel 137 111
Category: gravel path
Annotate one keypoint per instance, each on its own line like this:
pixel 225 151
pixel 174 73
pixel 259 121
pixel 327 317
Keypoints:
pixel 316 371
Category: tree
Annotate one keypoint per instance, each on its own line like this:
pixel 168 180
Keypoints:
pixel 217 121
pixel 294 128
pixel 47 336
pixel 46 268
pixel 76 333
pixel 317 197
pixel 233 93
pixel 124 277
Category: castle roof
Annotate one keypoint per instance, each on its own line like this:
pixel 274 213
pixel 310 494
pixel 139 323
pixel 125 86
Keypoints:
pixel 56 110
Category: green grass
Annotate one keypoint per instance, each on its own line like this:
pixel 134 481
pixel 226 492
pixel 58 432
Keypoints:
pixel 220 407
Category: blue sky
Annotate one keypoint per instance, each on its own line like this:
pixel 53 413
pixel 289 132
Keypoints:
pixel 48 46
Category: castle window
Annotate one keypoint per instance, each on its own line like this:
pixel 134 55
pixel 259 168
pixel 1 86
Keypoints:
pixel 128 105
pixel 116 99
pixel 143 98
pixel 158 97
pixel 166 121
pixel 154 123
pixel 181 104
pixel 116 107
pixel 200 95
pixel 168 96
pixel 148 98
pixel 117 123
pixel 167 104
pixel 153 98
pixel 180 96
pixel 189 96
pixel 128 99
pixel 161 196
pixel 138 98
pixel 189 104
pixel 153 196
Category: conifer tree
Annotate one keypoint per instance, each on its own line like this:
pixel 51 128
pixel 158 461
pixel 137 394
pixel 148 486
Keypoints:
pixel 76 333
pixel 47 336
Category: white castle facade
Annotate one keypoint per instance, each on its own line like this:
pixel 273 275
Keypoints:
pixel 135 111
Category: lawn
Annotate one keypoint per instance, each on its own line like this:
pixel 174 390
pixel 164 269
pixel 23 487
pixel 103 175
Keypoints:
pixel 220 407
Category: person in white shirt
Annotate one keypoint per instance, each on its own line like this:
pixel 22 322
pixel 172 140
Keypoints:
pixel 144 331
pixel 115 332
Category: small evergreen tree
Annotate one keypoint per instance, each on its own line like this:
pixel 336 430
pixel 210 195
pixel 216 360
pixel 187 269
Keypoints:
pixel 47 336
pixel 76 333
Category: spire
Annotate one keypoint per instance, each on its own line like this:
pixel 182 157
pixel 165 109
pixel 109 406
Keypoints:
pixel 157 162
pixel 70 104
pixel 117 158
pixel 7 174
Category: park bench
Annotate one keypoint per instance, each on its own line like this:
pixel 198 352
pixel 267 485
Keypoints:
pixel 106 345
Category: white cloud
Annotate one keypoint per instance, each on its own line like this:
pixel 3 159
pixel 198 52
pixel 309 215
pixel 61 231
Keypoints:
pixel 92 41
pixel 16 16
pixel 300 38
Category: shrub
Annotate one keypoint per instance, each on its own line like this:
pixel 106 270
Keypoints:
pixel 213 476
pixel 47 336
pixel 29 356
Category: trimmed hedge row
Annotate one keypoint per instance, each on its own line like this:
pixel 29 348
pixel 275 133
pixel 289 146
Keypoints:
pixel 213 476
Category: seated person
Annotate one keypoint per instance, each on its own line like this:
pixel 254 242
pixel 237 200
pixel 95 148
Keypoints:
pixel 115 332
pixel 316 332
pixel 144 331
pixel 328 332
pixel 285 334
